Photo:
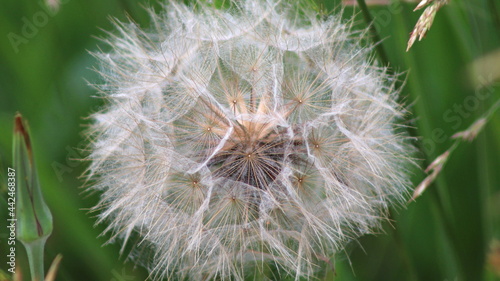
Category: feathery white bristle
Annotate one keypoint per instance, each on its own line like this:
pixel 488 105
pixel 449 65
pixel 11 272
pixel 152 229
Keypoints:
pixel 233 138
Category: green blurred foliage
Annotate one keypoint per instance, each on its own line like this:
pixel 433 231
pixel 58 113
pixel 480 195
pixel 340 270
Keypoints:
pixel 444 235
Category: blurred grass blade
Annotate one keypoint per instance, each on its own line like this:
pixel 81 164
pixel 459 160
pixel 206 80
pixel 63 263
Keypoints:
pixel 4 276
pixel 51 275
pixel 34 220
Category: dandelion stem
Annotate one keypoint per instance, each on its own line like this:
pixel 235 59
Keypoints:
pixel 34 251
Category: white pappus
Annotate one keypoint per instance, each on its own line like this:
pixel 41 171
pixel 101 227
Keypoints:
pixel 235 139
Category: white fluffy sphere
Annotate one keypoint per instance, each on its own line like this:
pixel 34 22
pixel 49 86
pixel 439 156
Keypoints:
pixel 239 138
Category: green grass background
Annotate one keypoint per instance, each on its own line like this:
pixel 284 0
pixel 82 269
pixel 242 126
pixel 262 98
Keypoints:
pixel 444 235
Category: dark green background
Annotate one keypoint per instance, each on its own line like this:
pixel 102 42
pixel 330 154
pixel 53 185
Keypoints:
pixel 444 235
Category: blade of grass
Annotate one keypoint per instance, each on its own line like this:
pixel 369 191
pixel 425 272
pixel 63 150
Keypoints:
pixel 441 204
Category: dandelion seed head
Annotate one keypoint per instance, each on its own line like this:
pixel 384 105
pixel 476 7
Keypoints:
pixel 259 134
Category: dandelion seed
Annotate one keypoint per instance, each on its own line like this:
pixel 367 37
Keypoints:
pixel 243 137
